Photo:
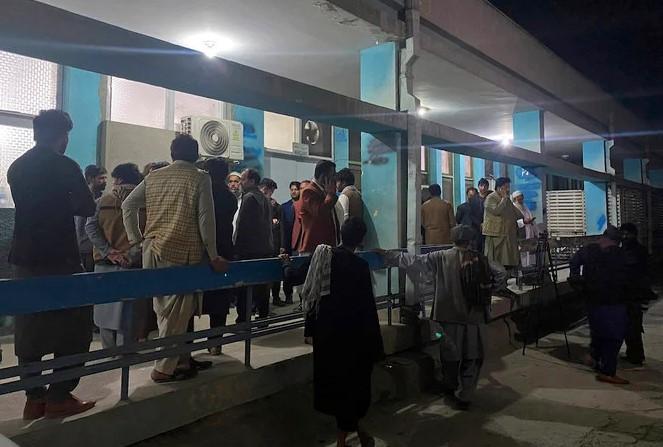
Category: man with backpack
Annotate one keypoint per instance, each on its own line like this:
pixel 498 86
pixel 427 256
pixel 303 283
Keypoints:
pixel 464 281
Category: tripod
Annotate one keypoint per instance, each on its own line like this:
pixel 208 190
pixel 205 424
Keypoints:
pixel 543 272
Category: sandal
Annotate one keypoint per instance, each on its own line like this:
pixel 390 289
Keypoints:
pixel 177 376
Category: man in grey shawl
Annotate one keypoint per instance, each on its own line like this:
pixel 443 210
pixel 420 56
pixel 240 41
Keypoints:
pixel 462 345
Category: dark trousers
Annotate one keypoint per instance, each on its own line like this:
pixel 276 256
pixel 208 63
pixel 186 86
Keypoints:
pixel 347 424
pixel 88 262
pixel 60 332
pixel 288 289
pixel 606 351
pixel 635 350
pixel 260 302
pixel 276 291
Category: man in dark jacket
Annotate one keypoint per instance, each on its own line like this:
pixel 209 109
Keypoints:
pixel 287 225
pixel 49 190
pixel 470 213
pixel 604 283
pixel 267 187
pixel 253 239
pixel 639 292
pixel 216 303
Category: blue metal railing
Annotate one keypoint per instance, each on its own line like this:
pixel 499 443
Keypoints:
pixel 30 295
pixel 39 294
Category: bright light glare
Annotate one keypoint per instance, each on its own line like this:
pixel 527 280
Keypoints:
pixel 421 111
pixel 211 44
pixel 505 142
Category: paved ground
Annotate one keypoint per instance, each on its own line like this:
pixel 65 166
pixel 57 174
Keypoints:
pixel 541 399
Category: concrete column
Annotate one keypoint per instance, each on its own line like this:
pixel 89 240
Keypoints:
pixel 528 134
pixel 459 181
pixel 81 99
pixel 341 147
pixel 254 136
pixel 596 194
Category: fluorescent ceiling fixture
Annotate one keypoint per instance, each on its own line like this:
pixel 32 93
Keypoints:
pixel 211 44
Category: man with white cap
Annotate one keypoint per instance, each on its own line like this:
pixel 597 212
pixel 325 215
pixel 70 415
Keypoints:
pixel 527 224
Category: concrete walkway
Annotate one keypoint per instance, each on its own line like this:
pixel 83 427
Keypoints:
pixel 541 399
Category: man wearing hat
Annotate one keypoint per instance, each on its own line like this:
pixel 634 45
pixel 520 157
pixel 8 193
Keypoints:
pixel 527 225
pixel 462 317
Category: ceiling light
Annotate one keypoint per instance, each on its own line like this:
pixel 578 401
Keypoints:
pixel 209 48
pixel 505 142
pixel 422 111
pixel 210 44
pixel 565 156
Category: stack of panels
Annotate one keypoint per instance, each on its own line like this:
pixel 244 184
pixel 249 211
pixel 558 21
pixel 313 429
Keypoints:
pixel 634 210
pixel 566 213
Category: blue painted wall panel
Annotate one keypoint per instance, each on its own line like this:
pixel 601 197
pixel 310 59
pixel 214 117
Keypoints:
pixel 80 98
pixel 254 136
pixel 596 208
pixel 633 169
pixel 593 155
pixel 341 148
pixel 527 130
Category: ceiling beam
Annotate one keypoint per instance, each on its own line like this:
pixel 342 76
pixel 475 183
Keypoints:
pixel 455 140
pixel 38 30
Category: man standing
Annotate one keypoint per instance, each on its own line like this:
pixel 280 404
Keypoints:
pixel 48 189
pixel 470 213
pixel 120 322
pixel 350 197
pixel 484 191
pixel 604 283
pixel 288 214
pixel 180 230
pixel 319 223
pixel 639 292
pixel 460 305
pixel 96 179
pixel 253 240
pixel 530 230
pixel 216 303
pixel 500 226
pixel 267 187
pixel 437 218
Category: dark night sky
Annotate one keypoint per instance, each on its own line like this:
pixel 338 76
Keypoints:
pixel 618 44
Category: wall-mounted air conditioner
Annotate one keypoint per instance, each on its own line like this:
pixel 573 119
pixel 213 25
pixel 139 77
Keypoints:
pixel 216 137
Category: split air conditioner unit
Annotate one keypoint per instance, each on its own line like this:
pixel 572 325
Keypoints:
pixel 216 137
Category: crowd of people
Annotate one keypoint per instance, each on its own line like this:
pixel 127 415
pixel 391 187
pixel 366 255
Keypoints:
pixel 194 211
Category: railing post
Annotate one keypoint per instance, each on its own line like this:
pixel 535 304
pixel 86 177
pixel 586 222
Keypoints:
pixel 124 384
pixel 249 312
pixel 390 299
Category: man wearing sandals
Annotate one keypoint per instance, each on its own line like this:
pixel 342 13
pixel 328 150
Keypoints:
pixel 180 230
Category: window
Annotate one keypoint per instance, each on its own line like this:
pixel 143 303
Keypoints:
pixel 137 103
pixel 447 162
pixel 192 105
pixel 281 131
pixel 27 86
pixel 14 141
pixel 469 171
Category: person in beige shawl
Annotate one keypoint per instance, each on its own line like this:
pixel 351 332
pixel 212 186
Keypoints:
pixel 500 225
